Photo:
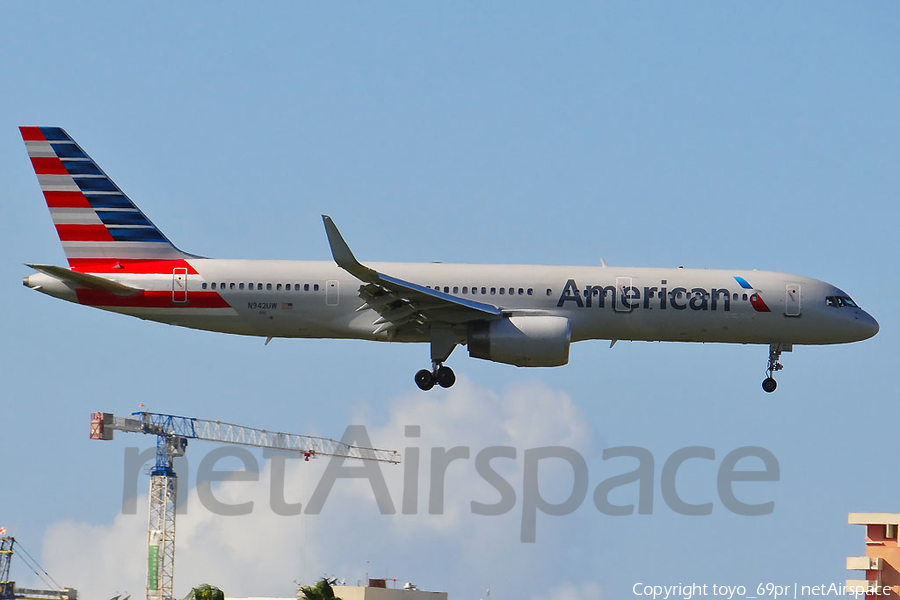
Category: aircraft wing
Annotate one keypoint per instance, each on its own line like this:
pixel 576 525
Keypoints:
pixel 83 280
pixel 402 303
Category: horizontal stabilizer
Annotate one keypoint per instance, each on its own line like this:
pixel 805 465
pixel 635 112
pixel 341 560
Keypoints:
pixel 83 280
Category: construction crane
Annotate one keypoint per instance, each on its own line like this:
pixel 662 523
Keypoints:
pixel 172 435
pixel 8 588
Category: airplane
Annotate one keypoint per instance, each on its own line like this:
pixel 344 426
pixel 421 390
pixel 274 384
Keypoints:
pixel 523 315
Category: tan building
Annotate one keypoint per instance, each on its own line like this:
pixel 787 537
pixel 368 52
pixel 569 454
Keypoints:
pixel 378 590
pixel 881 564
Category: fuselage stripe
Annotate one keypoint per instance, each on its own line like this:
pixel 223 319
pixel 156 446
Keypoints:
pixel 151 299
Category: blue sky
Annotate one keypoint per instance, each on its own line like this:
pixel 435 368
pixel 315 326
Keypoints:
pixel 652 134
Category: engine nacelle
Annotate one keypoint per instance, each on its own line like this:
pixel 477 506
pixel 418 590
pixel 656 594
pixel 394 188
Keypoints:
pixel 525 341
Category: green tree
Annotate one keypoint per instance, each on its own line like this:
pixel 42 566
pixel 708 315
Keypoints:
pixel 205 592
pixel 321 591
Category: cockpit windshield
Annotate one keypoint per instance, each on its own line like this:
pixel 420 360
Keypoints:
pixel 840 301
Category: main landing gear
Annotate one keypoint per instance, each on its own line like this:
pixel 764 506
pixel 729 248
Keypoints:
pixel 443 341
pixel 439 374
pixel 769 384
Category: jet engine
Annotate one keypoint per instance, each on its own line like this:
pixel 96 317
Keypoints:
pixel 524 341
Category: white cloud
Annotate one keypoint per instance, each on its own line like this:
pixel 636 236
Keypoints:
pixel 568 591
pixel 262 553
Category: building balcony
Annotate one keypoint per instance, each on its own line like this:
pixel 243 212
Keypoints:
pixel 864 563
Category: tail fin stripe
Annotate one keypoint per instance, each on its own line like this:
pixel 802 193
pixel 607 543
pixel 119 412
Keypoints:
pixel 32 134
pixel 87 184
pixel 127 234
pixel 55 134
pixel 82 167
pixel 125 265
pixel 109 201
pixel 84 233
pixel 57 183
pixel 69 150
pixel 121 250
pixel 66 200
pixel 75 216
pixel 48 166
pixel 38 149
pixel 123 217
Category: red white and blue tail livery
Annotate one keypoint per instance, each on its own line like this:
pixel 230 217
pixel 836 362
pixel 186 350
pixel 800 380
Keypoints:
pixel 524 315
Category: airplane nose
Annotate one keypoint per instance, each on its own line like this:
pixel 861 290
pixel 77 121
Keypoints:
pixel 867 325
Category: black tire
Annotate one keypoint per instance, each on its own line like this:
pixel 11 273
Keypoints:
pixel 446 377
pixel 769 385
pixel 425 380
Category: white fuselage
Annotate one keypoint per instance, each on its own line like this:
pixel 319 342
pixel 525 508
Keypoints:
pixel 306 299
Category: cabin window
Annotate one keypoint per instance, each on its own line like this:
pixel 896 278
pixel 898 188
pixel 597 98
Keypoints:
pixel 214 285
pixel 530 291
pixel 549 291
pixel 493 291
pixel 315 287
pixel 240 286
pixel 734 297
pixel 231 286
pixel 465 289
pixel 744 297
pixel 268 286
pixel 203 286
pixel 455 289
pixel 521 291
pixel 484 290
pixel 259 286
pixel 278 287
pixel 502 291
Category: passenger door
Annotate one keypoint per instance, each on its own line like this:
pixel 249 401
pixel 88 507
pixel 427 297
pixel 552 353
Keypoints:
pixel 792 300
pixel 332 292
pixel 179 285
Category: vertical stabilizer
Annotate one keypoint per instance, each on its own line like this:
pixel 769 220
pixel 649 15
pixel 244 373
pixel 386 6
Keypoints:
pixel 96 222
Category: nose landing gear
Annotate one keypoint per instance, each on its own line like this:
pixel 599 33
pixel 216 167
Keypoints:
pixel 769 384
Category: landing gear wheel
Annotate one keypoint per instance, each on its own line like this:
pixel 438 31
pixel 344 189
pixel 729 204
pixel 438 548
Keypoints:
pixel 425 380
pixel 769 384
pixel 445 377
